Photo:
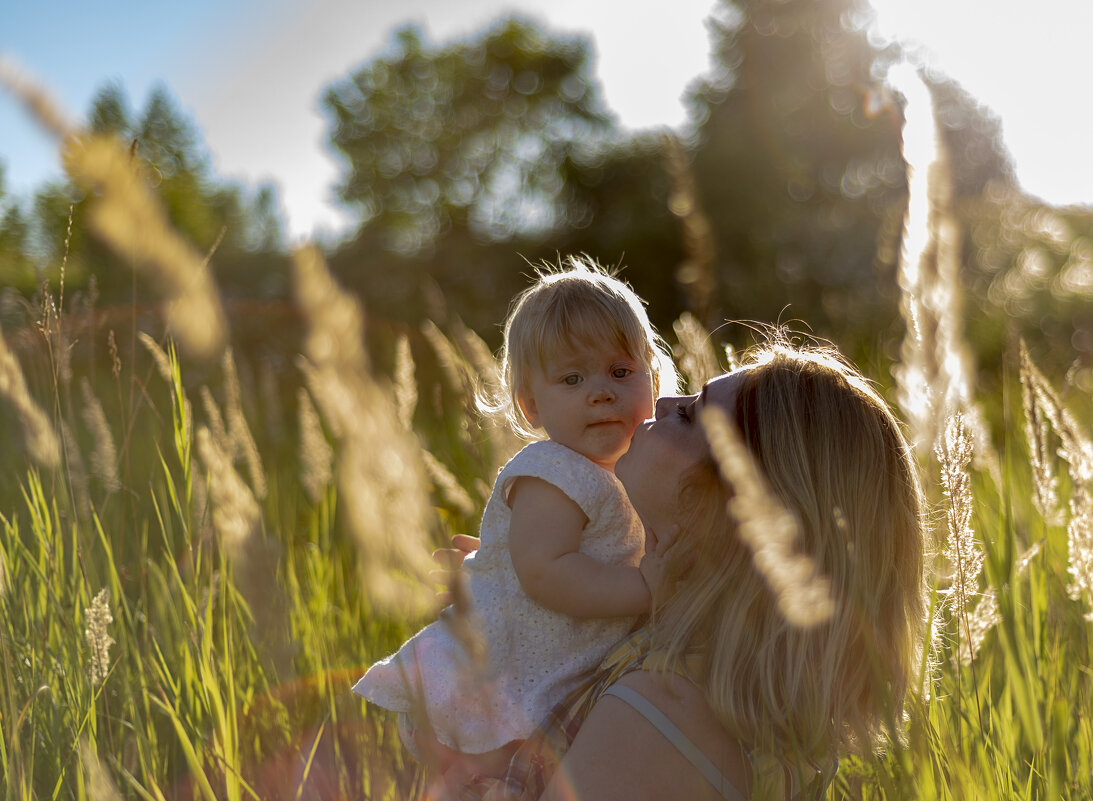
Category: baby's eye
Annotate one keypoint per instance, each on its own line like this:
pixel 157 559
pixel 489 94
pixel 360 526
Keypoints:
pixel 621 372
pixel 683 412
pixel 571 380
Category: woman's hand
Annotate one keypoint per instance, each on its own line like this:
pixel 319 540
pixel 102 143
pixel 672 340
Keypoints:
pixel 450 560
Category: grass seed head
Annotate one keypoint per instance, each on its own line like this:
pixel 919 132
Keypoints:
pixel 405 383
pixel 954 455
pixel 695 352
pixel 239 433
pixel 104 456
pixel 39 438
pixel 100 787
pixel 98 617
pixel 768 529
pixel 380 475
pixel 235 512
pixel 316 455
pixel 130 219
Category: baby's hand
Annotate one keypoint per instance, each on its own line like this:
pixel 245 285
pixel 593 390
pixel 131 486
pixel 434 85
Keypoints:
pixel 449 561
pixel 652 569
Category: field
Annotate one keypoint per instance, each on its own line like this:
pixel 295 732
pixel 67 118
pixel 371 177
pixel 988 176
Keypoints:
pixel 193 572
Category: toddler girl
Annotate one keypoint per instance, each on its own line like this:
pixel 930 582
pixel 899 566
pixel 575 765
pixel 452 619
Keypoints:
pixel 555 582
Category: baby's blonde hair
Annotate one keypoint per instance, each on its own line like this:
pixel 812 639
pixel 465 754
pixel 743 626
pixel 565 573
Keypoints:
pixel 832 451
pixel 577 302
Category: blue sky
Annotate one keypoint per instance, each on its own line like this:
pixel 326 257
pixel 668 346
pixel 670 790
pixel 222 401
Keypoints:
pixel 249 72
pixel 75 48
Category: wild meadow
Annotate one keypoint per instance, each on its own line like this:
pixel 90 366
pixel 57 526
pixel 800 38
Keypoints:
pixel 193 570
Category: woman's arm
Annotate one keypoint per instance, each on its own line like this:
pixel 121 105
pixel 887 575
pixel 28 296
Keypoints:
pixel 544 542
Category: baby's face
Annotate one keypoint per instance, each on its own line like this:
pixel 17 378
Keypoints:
pixel 590 399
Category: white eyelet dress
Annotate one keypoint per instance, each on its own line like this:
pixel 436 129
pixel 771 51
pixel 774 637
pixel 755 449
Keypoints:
pixel 535 656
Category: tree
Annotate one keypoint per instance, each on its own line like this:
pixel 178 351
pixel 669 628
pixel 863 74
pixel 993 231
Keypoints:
pixel 16 268
pixel 473 134
pixel 797 176
pixel 241 224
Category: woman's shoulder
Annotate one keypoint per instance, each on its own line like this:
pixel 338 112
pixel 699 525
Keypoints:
pixel 691 722
pixel 619 753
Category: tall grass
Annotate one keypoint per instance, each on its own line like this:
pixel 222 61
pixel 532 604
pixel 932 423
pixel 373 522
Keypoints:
pixel 183 606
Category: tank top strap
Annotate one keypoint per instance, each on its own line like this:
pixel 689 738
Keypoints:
pixel 682 743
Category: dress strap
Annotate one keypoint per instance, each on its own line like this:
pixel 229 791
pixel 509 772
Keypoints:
pixel 671 732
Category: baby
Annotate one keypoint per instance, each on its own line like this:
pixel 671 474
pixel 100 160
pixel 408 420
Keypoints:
pixel 556 581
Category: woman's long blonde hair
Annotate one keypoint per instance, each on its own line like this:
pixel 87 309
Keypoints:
pixel 832 452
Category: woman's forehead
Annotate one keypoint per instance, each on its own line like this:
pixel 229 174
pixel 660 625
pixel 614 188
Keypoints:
pixel 722 391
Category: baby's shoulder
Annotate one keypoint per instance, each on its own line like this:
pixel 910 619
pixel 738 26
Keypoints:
pixel 575 475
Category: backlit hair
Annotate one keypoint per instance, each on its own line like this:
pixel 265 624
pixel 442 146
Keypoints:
pixel 578 302
pixel 835 456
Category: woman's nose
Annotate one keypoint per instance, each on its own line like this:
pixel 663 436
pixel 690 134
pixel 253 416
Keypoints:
pixel 665 405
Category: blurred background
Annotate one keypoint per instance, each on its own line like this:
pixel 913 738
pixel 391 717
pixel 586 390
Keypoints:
pixel 740 159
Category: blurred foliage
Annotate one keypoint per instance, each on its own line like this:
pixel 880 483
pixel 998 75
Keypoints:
pixel 465 163
pixel 240 226
pixel 470 162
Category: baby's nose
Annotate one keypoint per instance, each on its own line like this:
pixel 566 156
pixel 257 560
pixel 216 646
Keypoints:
pixel 602 394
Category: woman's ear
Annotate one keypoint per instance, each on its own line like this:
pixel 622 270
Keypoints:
pixel 528 407
pixel 667 539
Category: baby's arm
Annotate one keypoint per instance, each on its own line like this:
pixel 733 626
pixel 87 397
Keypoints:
pixel 544 542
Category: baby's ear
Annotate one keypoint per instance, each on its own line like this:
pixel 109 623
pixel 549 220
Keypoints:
pixel 528 407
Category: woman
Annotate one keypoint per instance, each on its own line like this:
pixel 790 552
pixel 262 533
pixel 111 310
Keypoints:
pixel 718 696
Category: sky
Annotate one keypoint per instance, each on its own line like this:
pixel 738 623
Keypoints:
pixel 250 71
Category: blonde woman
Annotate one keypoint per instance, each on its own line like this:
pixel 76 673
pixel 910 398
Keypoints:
pixel 718 696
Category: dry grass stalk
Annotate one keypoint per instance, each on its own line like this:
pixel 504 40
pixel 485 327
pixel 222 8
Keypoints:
pixel 75 470
pixel 239 434
pixel 115 359
pixel 695 352
pixel 104 455
pixel 98 617
pixel 918 145
pixel 696 273
pixel 159 356
pixel 1045 481
pixel 34 98
pixel 381 480
pixel 933 375
pixel 449 487
pixel 49 326
pixel 39 438
pixel 100 787
pixel 954 455
pixel 478 356
pixel 768 529
pixel 236 518
pixel 1076 450
pixel 316 455
pixel 455 368
pixel 484 372
pixel 129 218
pixel 405 383
pixel 235 512
pixel 3 566
pixel 986 614
pixel 213 418
pixel 1079 532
